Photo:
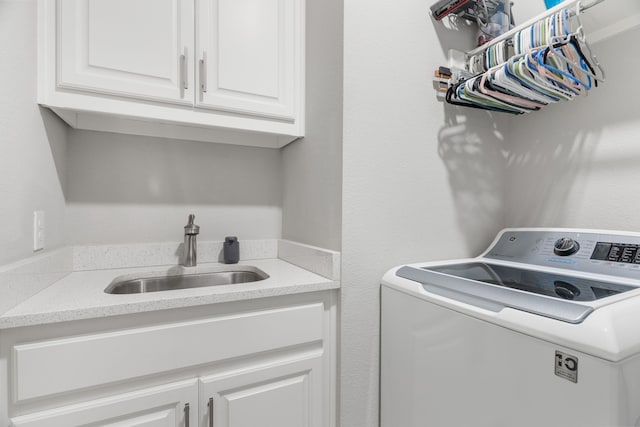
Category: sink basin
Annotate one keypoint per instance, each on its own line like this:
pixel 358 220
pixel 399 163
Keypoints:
pixel 199 280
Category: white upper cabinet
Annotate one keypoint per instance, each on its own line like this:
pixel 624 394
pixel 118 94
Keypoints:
pixel 248 56
pixel 229 71
pixel 131 48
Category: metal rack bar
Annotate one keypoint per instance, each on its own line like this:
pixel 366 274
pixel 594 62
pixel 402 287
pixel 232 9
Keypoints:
pixel 509 34
pixel 590 5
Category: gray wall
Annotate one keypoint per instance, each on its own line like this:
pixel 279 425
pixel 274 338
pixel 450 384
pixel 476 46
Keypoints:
pixel 422 181
pixel 577 164
pixel 136 189
pixel 120 188
pixel 32 141
pixel 124 188
pixel 312 167
pixel 140 189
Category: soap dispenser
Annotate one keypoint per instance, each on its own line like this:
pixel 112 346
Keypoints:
pixel 231 250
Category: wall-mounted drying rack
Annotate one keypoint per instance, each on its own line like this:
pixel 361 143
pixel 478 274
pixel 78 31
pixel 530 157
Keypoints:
pixel 542 61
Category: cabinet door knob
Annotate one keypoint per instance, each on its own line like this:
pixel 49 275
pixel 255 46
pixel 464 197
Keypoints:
pixel 186 415
pixel 203 72
pixel 210 412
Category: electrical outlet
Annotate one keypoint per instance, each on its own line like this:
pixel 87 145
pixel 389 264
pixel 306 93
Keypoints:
pixel 38 230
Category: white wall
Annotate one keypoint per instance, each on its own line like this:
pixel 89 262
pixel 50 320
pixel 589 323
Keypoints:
pixel 141 189
pixel 578 164
pixel 422 180
pixel 124 189
pixel 312 166
pixel 32 141
pixel 524 10
pixel 135 189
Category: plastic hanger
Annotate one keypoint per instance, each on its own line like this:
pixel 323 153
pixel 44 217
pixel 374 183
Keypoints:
pixel 510 99
pixel 507 79
pixel 555 73
pixel 546 79
pixel 559 48
pixel 466 92
pixel 549 66
pixel 452 98
pixel 587 63
pixel 578 36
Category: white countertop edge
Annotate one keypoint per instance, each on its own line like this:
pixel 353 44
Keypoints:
pixel 53 305
pixel 15 321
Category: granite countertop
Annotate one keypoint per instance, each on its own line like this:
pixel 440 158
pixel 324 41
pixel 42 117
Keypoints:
pixel 80 295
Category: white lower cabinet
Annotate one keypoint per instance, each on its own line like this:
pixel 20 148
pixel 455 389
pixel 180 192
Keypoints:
pixel 264 363
pixel 285 395
pixel 171 405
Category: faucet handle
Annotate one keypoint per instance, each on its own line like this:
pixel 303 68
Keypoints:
pixel 191 228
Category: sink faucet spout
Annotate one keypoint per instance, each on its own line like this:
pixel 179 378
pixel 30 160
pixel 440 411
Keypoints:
pixel 190 250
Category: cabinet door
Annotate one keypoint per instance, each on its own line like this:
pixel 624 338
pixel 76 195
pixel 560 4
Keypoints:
pixel 250 56
pixel 138 48
pixel 283 395
pixel 171 405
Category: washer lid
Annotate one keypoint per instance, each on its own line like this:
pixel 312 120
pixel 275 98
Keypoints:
pixel 560 286
pixel 494 287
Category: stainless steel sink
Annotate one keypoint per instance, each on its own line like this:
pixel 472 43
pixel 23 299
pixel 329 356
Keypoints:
pixel 169 283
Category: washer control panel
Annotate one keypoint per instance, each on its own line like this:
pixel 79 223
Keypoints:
pixel 611 254
pixel 616 252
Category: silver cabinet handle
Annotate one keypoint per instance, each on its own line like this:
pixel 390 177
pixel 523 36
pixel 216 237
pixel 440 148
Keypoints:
pixel 211 412
pixel 184 69
pixel 203 72
pixel 186 415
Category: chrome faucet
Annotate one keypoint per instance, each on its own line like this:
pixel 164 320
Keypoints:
pixel 190 250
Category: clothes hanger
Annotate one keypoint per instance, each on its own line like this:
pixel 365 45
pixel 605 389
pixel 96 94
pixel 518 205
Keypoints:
pixel 504 78
pixel 525 78
pixel 555 73
pixel 498 79
pixel 471 92
pixel 558 57
pixel 452 98
pixel 588 61
pixel 549 66
pixel 481 88
pixel 580 41
pixel 546 79
pixel 588 64
pixel 515 78
pixel 566 59
pixel 516 101
pixel 465 92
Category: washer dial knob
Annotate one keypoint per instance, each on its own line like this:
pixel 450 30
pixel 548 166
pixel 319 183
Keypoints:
pixel 565 246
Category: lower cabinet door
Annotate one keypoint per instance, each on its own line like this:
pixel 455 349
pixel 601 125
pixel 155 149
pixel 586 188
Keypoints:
pixel 170 405
pixel 279 395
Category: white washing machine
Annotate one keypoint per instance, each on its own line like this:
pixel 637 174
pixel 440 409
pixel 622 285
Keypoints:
pixel 543 329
